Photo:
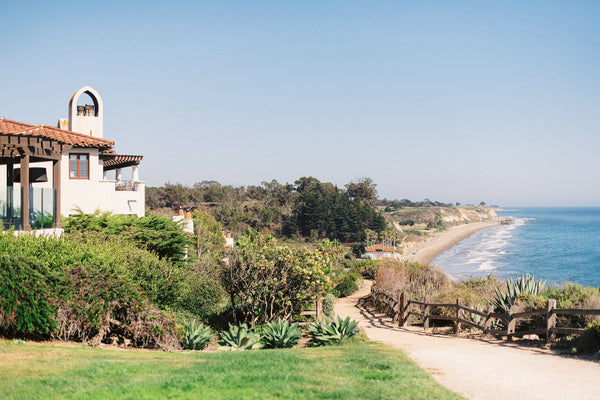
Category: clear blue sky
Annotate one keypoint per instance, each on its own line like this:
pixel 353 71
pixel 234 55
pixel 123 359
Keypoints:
pixel 462 101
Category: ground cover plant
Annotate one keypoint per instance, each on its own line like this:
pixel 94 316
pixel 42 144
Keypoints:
pixel 356 370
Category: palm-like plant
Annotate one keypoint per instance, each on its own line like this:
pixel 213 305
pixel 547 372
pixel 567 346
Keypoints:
pixel 324 332
pixel 240 337
pixel 280 334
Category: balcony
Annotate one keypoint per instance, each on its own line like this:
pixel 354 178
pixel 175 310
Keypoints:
pixel 127 186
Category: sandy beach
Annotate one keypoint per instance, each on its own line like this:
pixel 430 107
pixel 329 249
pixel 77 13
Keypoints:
pixel 439 242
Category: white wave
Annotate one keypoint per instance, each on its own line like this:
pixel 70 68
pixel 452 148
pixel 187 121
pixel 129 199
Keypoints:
pixel 486 266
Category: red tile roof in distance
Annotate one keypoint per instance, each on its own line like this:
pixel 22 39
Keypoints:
pixel 71 138
pixel 379 247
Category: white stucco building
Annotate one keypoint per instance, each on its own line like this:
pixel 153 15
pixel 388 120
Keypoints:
pixel 66 169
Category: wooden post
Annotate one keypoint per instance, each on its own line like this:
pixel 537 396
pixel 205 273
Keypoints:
pixel 319 309
pixel 426 312
pixel 9 192
pixel 512 324
pixel 487 325
pixel 25 193
pixel 403 303
pixel 396 318
pixel 459 314
pixel 550 319
pixel 57 190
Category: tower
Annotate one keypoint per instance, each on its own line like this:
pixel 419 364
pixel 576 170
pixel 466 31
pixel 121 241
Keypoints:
pixel 87 119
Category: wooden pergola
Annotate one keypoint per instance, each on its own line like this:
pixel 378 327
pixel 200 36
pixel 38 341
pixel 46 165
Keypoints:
pixel 24 149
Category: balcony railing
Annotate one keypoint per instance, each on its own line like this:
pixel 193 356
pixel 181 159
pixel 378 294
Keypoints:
pixel 126 186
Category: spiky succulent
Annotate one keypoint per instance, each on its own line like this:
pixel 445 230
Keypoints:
pixel 324 332
pixel 280 334
pixel 240 337
pixel 525 284
pixel 197 336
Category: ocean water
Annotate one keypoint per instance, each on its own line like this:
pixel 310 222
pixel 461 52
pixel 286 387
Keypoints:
pixel 555 244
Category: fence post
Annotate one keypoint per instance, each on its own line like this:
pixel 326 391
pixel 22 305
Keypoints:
pixel 407 310
pixel 403 303
pixel 488 320
pixel 459 314
pixel 426 312
pixel 550 318
pixel 396 318
pixel 319 309
pixel 512 324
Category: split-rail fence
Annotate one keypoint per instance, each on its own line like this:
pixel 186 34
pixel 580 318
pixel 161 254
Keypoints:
pixel 403 311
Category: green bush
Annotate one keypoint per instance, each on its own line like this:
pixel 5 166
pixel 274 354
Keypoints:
pixel 94 290
pixel 160 280
pixel 197 336
pixel 29 293
pixel 349 283
pixel 240 337
pixel 367 268
pixel 202 292
pixel 280 334
pixel 328 305
pixel 324 332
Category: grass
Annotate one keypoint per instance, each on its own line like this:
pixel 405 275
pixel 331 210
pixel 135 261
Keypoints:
pixel 357 370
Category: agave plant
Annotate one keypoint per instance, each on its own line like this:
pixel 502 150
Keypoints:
pixel 280 334
pixel 240 337
pixel 324 332
pixel 525 284
pixel 197 336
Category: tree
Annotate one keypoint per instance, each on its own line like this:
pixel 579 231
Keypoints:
pixel 266 281
pixel 208 235
pixel 363 190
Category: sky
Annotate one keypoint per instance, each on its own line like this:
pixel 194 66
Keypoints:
pixel 454 101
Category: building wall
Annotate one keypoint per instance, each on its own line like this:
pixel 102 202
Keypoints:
pixel 95 193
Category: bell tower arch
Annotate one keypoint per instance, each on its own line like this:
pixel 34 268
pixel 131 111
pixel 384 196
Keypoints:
pixel 86 119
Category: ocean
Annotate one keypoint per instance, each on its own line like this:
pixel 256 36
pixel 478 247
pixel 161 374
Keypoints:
pixel 558 245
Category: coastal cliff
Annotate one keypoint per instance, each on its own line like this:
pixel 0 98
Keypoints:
pixel 441 217
pixel 418 225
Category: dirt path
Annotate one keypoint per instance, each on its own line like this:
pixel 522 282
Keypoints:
pixel 480 368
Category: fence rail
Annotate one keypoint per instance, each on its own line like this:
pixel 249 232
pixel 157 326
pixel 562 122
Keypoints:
pixel 399 306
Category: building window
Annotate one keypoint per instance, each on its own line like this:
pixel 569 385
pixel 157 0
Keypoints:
pixel 79 166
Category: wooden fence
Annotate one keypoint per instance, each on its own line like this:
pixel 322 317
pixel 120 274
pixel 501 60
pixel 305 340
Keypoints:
pixel 400 307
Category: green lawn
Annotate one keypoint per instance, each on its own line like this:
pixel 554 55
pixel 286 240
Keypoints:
pixel 359 370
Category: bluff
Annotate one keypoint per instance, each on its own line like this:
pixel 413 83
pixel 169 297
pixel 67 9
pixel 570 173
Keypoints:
pixel 440 217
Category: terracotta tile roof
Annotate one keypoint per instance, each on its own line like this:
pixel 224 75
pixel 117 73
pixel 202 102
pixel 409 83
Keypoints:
pixel 379 247
pixel 72 138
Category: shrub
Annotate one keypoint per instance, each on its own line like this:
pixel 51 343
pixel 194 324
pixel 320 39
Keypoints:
pixel 324 332
pixel 197 336
pixel 328 305
pixel 29 292
pixel 102 305
pixel 367 268
pixel 589 341
pixel 240 337
pixel 349 283
pixel 280 334
pixel 421 281
pixel 202 292
pixel 159 235
pixel 266 281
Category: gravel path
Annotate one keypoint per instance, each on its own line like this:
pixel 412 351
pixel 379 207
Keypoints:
pixel 480 368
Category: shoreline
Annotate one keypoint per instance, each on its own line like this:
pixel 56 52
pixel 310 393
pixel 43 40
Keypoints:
pixel 439 242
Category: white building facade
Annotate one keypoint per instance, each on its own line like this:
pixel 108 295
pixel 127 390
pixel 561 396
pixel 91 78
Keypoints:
pixel 66 170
